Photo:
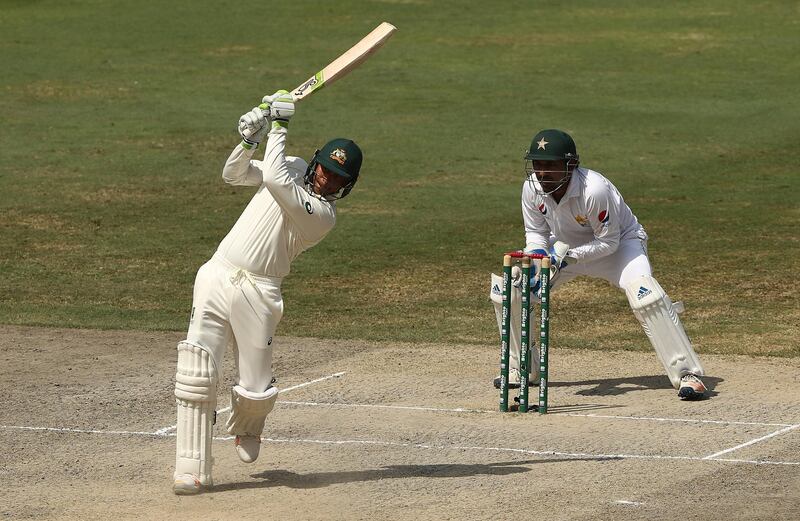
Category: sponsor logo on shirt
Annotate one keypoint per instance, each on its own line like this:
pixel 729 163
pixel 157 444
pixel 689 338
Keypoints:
pixel 582 220
pixel 309 209
pixel 543 209
pixel 603 216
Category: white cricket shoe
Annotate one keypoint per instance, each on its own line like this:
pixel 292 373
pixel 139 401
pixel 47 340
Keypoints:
pixel 247 447
pixel 187 485
pixel 692 388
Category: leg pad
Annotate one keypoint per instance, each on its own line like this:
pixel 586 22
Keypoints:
pixel 659 319
pixel 195 395
pixel 249 410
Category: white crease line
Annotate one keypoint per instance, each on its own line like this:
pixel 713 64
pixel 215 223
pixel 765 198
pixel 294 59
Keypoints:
pixel 486 411
pixel 401 407
pixel 549 453
pixel 751 442
pixel 685 420
pixel 83 431
pixel 380 443
pixel 171 428
pixel 627 503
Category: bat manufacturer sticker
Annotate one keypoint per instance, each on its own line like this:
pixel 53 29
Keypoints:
pixel 311 82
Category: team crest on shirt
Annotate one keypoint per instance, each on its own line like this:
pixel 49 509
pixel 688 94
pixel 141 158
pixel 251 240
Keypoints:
pixel 582 220
pixel 543 209
pixel 339 156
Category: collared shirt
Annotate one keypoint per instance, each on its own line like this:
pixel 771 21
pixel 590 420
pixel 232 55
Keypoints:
pixel 592 218
pixel 282 219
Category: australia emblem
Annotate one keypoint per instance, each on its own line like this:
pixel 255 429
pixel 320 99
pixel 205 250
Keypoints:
pixel 339 156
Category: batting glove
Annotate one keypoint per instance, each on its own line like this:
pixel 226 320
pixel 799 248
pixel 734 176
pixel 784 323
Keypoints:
pixel 280 107
pixel 253 127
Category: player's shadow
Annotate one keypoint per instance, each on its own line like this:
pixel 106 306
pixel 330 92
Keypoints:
pixel 286 478
pixel 616 386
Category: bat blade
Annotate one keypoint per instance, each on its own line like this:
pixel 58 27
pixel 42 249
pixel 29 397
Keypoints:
pixel 345 63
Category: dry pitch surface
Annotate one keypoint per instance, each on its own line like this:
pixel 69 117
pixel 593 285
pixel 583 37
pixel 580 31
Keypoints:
pixel 396 431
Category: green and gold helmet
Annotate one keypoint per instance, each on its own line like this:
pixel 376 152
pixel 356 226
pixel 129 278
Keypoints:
pixel 342 157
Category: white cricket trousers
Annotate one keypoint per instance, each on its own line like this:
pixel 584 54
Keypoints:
pixel 231 305
pixel 620 268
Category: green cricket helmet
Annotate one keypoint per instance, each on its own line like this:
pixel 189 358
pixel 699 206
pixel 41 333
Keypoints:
pixel 342 157
pixel 551 145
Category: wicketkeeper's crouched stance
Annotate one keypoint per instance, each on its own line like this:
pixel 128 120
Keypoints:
pixel 237 294
pixel 579 218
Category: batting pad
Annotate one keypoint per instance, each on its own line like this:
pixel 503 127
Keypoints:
pixel 249 410
pixel 660 321
pixel 514 342
pixel 195 394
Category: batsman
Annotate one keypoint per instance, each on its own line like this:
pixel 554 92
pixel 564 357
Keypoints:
pixel 579 218
pixel 237 293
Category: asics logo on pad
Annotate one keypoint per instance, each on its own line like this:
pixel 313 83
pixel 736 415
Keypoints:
pixel 643 292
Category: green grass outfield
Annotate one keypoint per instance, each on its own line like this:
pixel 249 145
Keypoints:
pixel 117 118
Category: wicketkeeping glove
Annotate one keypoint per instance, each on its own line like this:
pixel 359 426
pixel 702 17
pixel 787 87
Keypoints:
pixel 559 258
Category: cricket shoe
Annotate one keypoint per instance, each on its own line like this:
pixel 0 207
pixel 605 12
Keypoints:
pixel 247 447
pixel 186 485
pixel 692 388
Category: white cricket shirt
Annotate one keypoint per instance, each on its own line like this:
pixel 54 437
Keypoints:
pixel 592 218
pixel 282 220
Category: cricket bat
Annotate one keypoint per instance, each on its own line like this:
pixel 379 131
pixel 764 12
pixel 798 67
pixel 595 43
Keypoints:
pixel 345 63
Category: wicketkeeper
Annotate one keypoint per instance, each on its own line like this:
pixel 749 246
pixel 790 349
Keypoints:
pixel 237 293
pixel 579 218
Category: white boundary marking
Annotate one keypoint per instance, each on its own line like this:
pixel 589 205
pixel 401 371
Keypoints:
pixel 171 428
pixel 751 442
